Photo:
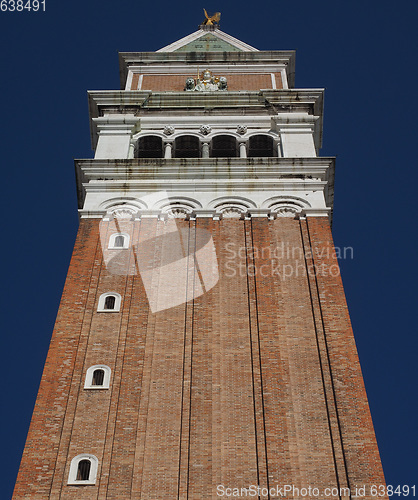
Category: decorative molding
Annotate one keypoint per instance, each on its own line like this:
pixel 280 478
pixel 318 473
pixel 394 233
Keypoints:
pixel 150 214
pixel 316 212
pixel 238 201
pixel 232 212
pixel 166 204
pixel 276 202
pixel 205 129
pixel 204 213
pixel 91 214
pixel 123 202
pixel 286 211
pixel 178 213
pixel 259 212
pixel 123 213
pixel 169 130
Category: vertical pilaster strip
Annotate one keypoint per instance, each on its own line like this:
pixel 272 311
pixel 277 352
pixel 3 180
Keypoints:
pixel 257 377
pixel 334 430
pixel 150 229
pixel 59 484
pixel 124 443
pixel 187 368
pixel 162 438
pixel 237 437
pixel 119 397
pixel 273 354
pixel 200 467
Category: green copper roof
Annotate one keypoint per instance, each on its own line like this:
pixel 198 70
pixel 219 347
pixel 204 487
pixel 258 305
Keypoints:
pixel 208 43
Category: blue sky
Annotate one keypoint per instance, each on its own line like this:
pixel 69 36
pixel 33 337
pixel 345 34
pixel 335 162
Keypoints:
pixel 362 53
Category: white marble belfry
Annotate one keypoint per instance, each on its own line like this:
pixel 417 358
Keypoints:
pixel 288 180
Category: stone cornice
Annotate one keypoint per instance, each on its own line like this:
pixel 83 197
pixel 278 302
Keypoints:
pixel 135 99
pixel 139 102
pixel 141 168
pixel 127 59
pixel 223 174
pixel 191 185
pixel 191 69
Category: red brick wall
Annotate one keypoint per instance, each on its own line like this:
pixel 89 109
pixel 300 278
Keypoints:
pixel 257 381
pixel 279 83
pixel 176 83
pixel 135 81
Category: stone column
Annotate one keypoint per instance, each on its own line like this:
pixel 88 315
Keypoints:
pixel 242 150
pixel 131 152
pixel 168 146
pixel 205 150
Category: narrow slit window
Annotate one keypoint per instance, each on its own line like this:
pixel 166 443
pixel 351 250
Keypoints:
pixel 83 470
pixel 98 377
pixel 110 302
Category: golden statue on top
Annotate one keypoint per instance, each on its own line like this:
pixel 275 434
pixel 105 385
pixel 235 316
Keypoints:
pixel 212 19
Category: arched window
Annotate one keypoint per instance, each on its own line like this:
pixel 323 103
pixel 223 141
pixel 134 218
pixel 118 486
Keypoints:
pixel 83 470
pixel 224 146
pixel 187 146
pixel 109 302
pixel 119 241
pixel 97 377
pixel 150 146
pixel 261 146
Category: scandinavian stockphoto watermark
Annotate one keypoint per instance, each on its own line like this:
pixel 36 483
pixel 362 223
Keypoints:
pixel 284 261
pixel 292 491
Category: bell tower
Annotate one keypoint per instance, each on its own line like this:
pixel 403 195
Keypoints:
pixel 203 346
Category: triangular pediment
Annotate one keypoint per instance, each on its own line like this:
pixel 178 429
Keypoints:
pixel 208 41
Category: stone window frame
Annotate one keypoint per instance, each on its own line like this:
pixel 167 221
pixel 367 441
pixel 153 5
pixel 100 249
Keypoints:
pixel 102 302
pixel 88 384
pixel 94 465
pixel 112 241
